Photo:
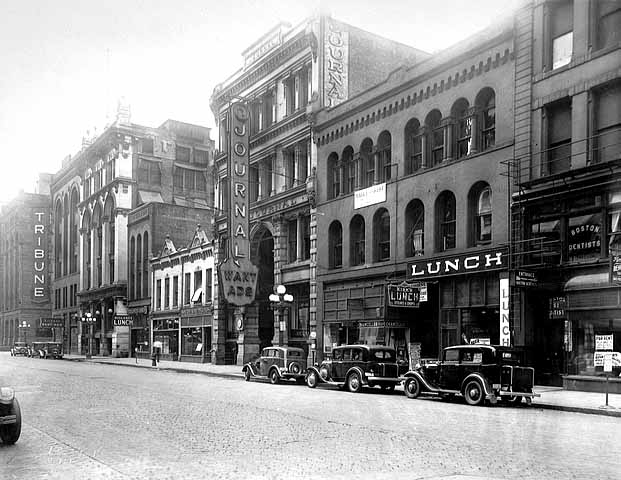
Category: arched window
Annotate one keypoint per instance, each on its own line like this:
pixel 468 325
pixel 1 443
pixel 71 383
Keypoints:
pixel 463 128
pixel 73 232
pixel 433 122
pixel 335 244
pixel 145 265
pixel 384 156
pixel 413 146
pixel 350 170
pixel 356 235
pixel 98 250
pixel 486 104
pixel 480 209
pixel 58 239
pixel 138 266
pixel 381 232
pixel 110 234
pixel 445 221
pixel 368 162
pixel 86 246
pixel 334 175
pixel 414 229
pixel 65 248
pixel 132 268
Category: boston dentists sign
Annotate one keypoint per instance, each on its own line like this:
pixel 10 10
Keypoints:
pixel 238 275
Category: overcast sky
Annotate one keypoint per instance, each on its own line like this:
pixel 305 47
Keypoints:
pixel 65 63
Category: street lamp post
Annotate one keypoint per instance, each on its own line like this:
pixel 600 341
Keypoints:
pixel 280 301
pixel 89 319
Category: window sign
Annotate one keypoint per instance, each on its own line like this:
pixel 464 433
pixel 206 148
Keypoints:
pixel 603 342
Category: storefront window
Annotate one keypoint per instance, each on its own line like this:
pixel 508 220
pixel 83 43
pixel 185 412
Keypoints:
pixel 191 341
pixel 614 222
pixel 167 342
pixel 584 237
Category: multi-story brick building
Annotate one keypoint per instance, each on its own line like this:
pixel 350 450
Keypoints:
pixel 287 75
pixel 566 210
pixel 126 166
pixel 412 203
pixel 182 313
pixel 25 293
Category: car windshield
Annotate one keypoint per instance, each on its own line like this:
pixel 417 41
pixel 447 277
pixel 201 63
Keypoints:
pixel 294 353
pixel 383 355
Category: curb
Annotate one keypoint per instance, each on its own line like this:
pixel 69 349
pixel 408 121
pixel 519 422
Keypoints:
pixel 543 406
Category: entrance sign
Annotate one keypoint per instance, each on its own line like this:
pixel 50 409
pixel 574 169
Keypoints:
pixel 370 196
pixel 51 323
pixel 525 278
pixel 505 330
pixel 237 273
pixel 123 321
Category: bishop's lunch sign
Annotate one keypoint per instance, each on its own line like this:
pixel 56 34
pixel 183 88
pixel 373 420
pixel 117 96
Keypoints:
pixel 238 275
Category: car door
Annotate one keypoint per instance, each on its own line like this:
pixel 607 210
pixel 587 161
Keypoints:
pixel 341 367
pixel 264 361
pixel 448 376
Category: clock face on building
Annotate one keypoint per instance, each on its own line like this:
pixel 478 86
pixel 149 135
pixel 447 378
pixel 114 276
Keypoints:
pixel 240 324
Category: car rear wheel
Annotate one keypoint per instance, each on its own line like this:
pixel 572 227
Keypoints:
pixel 10 433
pixel 274 378
pixel 474 393
pixel 247 374
pixel 354 383
pixel 312 379
pixel 411 387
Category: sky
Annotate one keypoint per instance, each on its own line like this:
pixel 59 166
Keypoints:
pixel 66 63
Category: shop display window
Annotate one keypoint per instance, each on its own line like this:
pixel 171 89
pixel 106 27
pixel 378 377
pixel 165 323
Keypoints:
pixel 191 341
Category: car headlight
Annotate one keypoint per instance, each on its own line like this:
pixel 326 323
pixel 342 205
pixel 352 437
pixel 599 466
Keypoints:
pixel 323 371
pixel 371 373
pixel 6 394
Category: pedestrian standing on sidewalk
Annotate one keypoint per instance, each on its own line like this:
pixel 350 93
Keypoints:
pixel 154 357
pixel 136 354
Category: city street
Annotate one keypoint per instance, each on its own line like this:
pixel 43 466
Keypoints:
pixel 92 421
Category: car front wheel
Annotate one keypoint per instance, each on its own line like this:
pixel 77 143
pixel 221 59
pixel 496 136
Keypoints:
pixel 10 432
pixel 474 393
pixel 412 387
pixel 354 383
pixel 274 378
pixel 311 379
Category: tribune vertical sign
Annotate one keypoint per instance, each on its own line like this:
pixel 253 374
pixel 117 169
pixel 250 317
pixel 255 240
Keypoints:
pixel 238 275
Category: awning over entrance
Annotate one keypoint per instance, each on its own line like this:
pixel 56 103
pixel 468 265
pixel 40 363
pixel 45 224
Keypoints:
pixel 592 280
pixel 150 197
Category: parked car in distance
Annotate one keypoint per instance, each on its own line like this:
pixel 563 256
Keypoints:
pixel 10 416
pixel 479 373
pixel 355 366
pixel 278 363
pixel 19 348
pixel 46 350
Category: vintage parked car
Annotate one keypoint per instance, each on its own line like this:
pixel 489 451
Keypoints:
pixel 10 416
pixel 19 348
pixel 355 366
pixel 46 350
pixel 278 363
pixel 479 373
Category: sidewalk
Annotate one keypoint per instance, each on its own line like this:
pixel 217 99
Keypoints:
pixel 553 398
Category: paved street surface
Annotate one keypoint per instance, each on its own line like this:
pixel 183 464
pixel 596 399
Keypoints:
pixel 91 421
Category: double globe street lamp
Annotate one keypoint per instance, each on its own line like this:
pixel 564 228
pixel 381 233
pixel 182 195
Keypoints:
pixel 24 325
pixel 280 303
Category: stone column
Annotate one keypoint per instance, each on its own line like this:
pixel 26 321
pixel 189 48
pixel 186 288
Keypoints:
pixel 448 124
pixel 475 134
pixel 424 147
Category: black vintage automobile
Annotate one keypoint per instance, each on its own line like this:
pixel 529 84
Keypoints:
pixel 46 350
pixel 278 363
pixel 19 348
pixel 355 366
pixel 479 373
pixel 10 416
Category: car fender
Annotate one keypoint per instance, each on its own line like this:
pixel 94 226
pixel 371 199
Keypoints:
pixel 316 370
pixel 359 371
pixel 477 376
pixel 274 367
pixel 423 381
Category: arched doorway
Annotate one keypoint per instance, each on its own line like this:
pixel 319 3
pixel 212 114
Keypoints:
pixel 262 255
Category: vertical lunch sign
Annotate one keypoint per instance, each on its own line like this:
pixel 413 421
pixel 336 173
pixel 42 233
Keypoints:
pixel 238 275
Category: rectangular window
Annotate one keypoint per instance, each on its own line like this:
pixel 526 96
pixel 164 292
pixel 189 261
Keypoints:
pixel 182 154
pixel 559 137
pixel 208 285
pixel 178 178
pixel 197 296
pixel 187 292
pixel 166 292
pixel 607 141
pixel 201 183
pixel 437 145
pixel 289 86
pixel 293 240
pixel 561 38
pixel 147 145
pixel 305 225
pixel 149 173
pixel 253 182
pixel 201 157
pixel 608 22
pixel 158 295
pixel 175 298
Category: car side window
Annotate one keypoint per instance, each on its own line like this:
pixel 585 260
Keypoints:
pixel 347 354
pixel 357 355
pixel 451 356
pixel 337 355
